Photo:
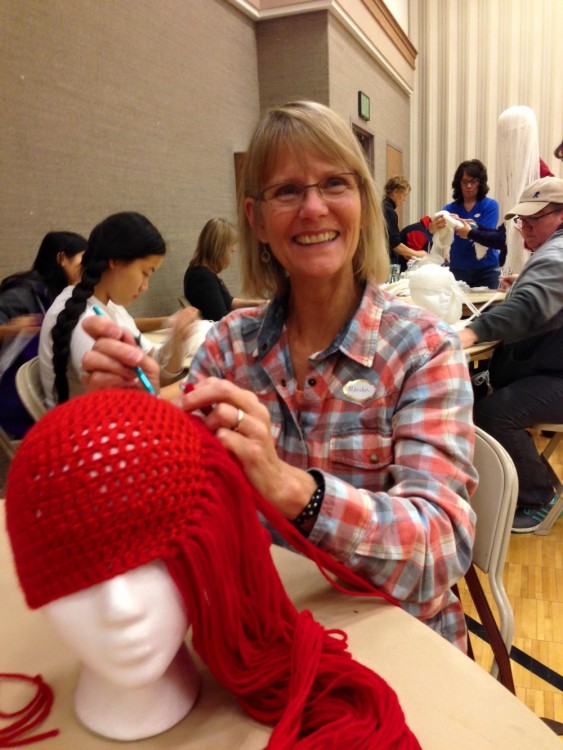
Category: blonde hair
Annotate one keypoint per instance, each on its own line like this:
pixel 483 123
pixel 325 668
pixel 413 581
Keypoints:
pixel 212 244
pixel 398 182
pixel 306 127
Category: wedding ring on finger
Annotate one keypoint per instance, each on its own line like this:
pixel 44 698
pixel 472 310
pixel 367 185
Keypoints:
pixel 240 417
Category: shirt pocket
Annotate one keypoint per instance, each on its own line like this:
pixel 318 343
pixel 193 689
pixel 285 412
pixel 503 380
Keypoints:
pixel 361 458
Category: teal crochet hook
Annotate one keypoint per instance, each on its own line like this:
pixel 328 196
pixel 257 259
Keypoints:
pixel 146 383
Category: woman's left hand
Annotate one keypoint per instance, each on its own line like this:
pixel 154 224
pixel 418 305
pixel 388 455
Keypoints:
pixel 182 327
pixel 468 337
pixel 242 424
pixel 182 322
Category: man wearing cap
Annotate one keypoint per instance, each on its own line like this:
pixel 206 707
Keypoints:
pixel 526 370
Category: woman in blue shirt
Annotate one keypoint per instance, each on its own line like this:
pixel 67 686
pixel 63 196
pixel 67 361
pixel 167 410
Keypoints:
pixel 474 265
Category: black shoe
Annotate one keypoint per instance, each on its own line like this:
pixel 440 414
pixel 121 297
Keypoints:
pixel 529 519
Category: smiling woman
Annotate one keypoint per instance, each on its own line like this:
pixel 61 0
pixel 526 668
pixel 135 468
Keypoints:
pixel 348 409
pixel 123 252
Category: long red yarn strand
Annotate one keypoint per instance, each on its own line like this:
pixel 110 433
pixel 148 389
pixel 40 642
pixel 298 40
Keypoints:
pixel 30 716
pixel 283 667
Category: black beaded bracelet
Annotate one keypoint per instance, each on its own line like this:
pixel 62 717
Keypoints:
pixel 313 507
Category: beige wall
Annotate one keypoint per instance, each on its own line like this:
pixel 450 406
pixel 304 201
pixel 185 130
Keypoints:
pixel 293 59
pixel 353 70
pixel 110 106
pixel 314 56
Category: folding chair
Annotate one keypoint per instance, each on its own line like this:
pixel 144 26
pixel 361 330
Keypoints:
pixel 30 389
pixel 494 502
pixel 8 444
pixel 545 527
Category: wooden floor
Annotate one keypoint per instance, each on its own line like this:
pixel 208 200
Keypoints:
pixel 533 579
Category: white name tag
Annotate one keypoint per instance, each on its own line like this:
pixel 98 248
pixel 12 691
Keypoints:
pixel 359 390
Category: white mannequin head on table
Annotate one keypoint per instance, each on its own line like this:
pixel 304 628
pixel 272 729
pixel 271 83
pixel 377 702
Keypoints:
pixel 137 677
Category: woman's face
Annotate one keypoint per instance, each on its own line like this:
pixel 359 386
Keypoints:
pixel 315 239
pixel 71 266
pixel 399 196
pixel 228 254
pixel 128 629
pixel 123 282
pixel 469 187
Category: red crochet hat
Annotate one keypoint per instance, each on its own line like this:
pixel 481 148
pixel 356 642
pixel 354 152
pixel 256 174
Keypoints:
pixel 115 479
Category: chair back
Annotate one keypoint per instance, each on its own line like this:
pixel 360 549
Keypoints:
pixel 30 389
pixel 494 502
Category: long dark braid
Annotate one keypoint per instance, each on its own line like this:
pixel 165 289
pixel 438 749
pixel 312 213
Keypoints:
pixel 125 236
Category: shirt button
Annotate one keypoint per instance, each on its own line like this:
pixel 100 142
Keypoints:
pixel 312 381
pixel 283 382
pixel 373 458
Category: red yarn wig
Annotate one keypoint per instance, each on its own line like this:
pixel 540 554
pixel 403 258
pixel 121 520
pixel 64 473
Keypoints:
pixel 116 479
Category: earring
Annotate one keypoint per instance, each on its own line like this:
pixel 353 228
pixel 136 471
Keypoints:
pixel 265 256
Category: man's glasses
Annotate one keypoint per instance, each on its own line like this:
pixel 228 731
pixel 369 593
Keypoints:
pixel 531 221
pixel 291 194
pixel 469 183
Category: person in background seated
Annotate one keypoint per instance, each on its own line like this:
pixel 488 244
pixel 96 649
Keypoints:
pixel 416 236
pixel 122 253
pixel 470 189
pixel 203 287
pixel 397 190
pixel 24 300
pixel 526 370
pixel 349 410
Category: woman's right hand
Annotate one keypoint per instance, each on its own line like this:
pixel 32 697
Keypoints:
pixel 464 230
pixel 507 281
pixel 242 424
pixel 110 363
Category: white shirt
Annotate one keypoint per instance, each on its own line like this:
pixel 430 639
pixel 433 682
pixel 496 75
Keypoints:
pixel 80 342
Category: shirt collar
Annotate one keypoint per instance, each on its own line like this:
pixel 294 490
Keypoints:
pixel 356 339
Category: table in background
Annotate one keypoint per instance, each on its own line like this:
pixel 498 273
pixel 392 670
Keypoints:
pixel 482 297
pixel 481 351
pixel 449 701
pixel 159 336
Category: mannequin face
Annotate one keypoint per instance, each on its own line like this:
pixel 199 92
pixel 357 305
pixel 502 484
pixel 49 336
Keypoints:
pixel 127 629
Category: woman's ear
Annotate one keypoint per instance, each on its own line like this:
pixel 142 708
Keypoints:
pixel 254 219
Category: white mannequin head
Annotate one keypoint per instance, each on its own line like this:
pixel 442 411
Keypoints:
pixel 137 677
pixel 435 288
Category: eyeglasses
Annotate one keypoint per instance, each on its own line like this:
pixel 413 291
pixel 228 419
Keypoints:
pixel 469 183
pixel 531 221
pixel 330 189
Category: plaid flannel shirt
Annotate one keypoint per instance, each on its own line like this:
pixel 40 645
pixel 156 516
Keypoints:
pixel 386 415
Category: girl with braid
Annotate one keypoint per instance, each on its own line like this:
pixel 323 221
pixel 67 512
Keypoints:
pixel 123 252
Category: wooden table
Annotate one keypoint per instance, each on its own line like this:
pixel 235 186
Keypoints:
pixel 159 336
pixel 481 351
pixel 449 701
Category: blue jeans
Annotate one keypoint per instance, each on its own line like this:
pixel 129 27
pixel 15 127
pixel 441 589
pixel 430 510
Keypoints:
pixel 506 414
pixel 489 276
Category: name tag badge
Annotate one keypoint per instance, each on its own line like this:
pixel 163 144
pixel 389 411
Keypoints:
pixel 359 390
